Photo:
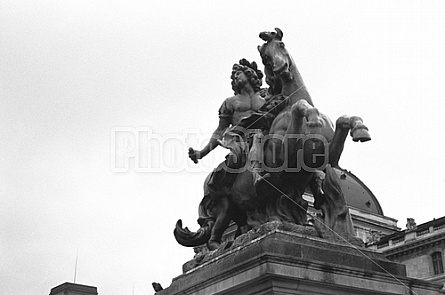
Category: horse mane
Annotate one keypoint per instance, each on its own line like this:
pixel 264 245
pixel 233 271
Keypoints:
pixel 273 82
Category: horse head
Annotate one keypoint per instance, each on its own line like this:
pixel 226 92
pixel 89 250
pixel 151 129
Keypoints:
pixel 275 57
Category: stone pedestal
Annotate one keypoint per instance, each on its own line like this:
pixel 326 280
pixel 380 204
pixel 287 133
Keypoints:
pixel 282 262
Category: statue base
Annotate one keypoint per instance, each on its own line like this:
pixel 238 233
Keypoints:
pixel 297 262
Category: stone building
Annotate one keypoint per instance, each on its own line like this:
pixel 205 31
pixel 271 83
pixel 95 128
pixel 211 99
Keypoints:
pixel 421 248
pixel 73 289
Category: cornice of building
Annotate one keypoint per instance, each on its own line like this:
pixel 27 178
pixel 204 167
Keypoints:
pixel 373 219
pixel 414 246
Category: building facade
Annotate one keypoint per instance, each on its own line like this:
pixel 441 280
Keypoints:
pixel 421 248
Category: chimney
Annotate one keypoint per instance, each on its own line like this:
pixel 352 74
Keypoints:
pixel 73 289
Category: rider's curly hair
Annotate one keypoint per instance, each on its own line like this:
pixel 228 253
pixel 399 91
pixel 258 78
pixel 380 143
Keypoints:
pixel 252 73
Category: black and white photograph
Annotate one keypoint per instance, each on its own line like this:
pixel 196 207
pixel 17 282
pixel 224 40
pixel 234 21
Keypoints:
pixel 222 147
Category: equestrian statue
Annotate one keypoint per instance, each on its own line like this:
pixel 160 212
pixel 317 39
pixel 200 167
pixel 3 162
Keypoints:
pixel 280 144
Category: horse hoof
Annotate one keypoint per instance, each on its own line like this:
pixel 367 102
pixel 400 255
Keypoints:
pixel 361 135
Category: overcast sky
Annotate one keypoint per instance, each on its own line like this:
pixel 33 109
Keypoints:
pixel 78 77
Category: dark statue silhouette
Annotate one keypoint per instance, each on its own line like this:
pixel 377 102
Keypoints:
pixel 280 144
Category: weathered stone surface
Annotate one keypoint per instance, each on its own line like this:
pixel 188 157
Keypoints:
pixel 243 240
pixel 282 262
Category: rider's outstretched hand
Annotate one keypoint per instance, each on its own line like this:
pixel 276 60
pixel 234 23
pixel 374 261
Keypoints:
pixel 194 155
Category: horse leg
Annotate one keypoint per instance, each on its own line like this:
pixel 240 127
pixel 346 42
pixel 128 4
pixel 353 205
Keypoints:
pixel 221 224
pixel 299 111
pixel 298 207
pixel 359 132
pixel 302 109
pixel 316 186
pixel 240 218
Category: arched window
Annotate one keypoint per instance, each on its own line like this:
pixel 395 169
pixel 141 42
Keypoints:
pixel 437 262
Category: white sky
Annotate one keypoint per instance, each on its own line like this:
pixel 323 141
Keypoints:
pixel 71 71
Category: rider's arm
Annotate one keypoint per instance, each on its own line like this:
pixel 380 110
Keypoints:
pixel 224 122
pixel 225 114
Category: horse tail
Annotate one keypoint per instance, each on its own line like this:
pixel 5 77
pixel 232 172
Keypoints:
pixel 206 220
pixel 187 238
pixel 332 187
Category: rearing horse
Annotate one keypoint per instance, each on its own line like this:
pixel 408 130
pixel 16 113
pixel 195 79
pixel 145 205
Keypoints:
pixel 298 116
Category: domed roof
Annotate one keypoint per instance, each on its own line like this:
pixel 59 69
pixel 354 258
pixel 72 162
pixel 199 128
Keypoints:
pixel 357 194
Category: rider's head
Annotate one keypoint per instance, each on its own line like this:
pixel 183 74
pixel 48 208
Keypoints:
pixel 252 73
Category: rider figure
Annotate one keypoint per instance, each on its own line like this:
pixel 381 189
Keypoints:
pixel 246 83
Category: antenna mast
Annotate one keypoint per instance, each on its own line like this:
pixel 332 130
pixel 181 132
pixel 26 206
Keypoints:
pixel 75 268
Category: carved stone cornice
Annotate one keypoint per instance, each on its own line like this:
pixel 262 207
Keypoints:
pixel 415 246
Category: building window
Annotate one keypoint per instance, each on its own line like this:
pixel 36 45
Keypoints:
pixel 437 263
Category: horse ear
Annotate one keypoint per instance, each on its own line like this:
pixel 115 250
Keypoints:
pixel 279 34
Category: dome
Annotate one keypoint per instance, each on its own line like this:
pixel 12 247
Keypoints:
pixel 357 194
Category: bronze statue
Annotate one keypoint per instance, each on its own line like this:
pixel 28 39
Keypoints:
pixel 293 133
